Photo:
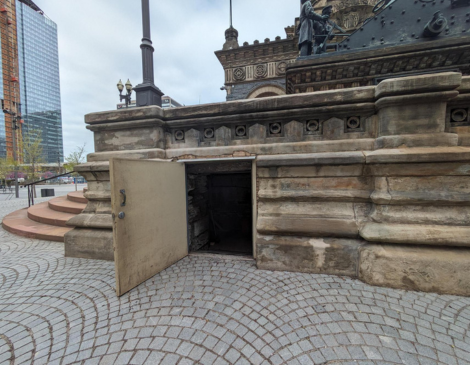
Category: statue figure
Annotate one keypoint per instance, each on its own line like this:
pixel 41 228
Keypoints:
pixel 324 30
pixel 305 29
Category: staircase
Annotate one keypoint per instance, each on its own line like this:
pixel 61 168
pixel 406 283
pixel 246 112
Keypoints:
pixel 46 221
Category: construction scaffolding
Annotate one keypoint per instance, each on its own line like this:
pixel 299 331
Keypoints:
pixel 11 103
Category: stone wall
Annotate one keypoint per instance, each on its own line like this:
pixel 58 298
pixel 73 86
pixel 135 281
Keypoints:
pixel 370 182
pixel 198 212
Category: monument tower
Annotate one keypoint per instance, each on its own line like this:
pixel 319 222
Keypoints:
pixel 258 70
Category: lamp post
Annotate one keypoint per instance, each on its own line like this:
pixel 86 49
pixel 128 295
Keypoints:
pixel 146 92
pixel 58 161
pixel 126 97
pixel 15 120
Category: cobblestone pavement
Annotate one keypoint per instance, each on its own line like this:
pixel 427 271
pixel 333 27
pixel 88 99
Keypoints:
pixel 207 310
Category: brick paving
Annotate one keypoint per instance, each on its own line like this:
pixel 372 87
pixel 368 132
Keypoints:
pixel 207 310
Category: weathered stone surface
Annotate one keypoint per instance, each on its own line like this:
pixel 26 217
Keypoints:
pixel 94 244
pixel 414 234
pixel 419 84
pixel 419 155
pixel 192 138
pixel 307 219
pixel 422 214
pixel 154 153
pixel 420 140
pixel 344 189
pixel 130 139
pixel 333 158
pixel 311 171
pixel 438 190
pixel 223 135
pixel 294 131
pixel 308 226
pixel 439 270
pixel 315 255
pixel 425 113
pixel 273 148
pixel 334 97
pixel 418 169
pixel 124 115
pixel 101 221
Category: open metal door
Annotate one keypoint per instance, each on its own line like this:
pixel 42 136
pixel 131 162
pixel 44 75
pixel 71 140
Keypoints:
pixel 148 201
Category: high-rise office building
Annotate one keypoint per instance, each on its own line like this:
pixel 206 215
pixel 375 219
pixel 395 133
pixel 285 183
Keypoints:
pixel 29 85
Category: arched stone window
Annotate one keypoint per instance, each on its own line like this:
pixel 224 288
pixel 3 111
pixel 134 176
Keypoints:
pixel 266 91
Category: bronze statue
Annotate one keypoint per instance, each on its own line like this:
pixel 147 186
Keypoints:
pixel 306 26
pixel 323 30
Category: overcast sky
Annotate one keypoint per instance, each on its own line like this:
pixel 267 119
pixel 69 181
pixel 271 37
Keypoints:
pixel 99 43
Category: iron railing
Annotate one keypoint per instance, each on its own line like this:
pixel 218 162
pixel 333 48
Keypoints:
pixel 31 189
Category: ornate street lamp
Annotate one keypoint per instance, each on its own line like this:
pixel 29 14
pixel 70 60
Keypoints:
pixel 126 97
pixel 146 92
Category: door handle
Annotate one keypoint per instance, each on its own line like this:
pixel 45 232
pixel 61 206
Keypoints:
pixel 123 192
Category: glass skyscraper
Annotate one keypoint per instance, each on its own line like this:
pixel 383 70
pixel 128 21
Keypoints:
pixel 38 61
pixel 33 64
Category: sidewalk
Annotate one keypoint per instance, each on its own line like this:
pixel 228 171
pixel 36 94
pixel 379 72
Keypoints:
pixel 209 310
pixel 59 190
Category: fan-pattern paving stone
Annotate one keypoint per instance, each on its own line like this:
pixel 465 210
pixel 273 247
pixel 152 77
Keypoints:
pixel 207 310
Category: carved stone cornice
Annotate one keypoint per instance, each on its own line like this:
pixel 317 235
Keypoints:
pixel 353 69
pixel 259 53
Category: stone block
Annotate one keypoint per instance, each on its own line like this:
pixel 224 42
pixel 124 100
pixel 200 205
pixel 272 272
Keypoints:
pixel 293 131
pixel 346 189
pixel 310 227
pixel 418 155
pixel 129 139
pixel 415 234
pixel 223 136
pixel 153 153
pixel 311 171
pixel 308 159
pixel 422 214
pixel 192 138
pixel 428 269
pixel 94 244
pixel 420 140
pixel 333 128
pixel 437 190
pixel 419 84
pixel 418 169
pixel 257 133
pixel 311 219
pixel 127 114
pixel 314 255
pixel 407 116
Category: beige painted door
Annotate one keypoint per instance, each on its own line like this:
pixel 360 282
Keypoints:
pixel 149 212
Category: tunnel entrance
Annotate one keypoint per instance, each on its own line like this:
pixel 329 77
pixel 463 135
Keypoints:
pixel 220 207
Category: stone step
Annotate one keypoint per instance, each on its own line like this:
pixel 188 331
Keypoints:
pixel 19 223
pixel 43 214
pixel 77 196
pixel 62 204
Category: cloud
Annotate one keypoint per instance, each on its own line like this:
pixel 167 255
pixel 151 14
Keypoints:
pixel 99 43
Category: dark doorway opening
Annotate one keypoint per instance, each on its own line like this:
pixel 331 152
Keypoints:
pixel 220 212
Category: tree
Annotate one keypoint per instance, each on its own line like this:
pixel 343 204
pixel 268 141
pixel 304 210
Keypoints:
pixel 6 168
pixel 75 158
pixel 32 152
